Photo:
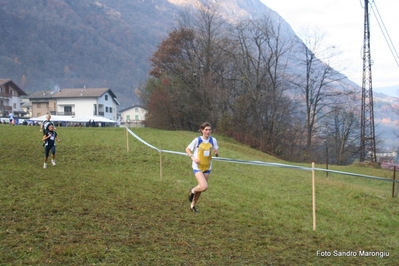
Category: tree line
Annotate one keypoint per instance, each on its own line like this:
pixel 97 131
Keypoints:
pixel 254 82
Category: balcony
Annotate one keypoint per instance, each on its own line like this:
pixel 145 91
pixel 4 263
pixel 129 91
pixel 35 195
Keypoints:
pixel 5 95
pixel 5 108
pixel 65 113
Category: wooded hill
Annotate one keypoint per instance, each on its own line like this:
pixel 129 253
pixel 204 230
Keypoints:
pixel 52 43
pixel 47 44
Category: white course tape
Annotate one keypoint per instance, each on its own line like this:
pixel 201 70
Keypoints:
pixel 228 160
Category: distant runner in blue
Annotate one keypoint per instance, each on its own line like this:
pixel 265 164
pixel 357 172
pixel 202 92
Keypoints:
pixel 11 117
pixel 49 144
pixel 45 124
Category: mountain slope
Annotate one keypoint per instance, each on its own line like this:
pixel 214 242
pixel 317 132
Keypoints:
pixel 76 43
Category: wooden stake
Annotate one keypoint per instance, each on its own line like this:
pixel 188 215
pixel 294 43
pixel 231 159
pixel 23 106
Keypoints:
pixel 127 140
pixel 314 197
pixel 327 161
pixel 160 164
pixel 393 183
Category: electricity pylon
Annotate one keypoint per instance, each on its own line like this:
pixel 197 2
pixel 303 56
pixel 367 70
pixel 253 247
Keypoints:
pixel 367 134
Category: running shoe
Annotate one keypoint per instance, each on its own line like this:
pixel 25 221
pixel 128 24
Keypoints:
pixel 190 195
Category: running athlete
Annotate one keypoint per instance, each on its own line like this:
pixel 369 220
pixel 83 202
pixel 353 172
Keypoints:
pixel 49 144
pixel 200 151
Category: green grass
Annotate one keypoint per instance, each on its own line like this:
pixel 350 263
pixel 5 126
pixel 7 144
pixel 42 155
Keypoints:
pixel 104 205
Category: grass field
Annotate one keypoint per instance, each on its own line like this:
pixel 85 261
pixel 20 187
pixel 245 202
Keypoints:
pixel 104 205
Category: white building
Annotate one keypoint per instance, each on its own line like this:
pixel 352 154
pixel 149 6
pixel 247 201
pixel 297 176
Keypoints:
pixel 133 116
pixel 10 100
pixel 77 102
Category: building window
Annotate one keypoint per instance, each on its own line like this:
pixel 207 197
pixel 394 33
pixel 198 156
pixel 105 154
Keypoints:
pixel 137 117
pixel 106 109
pixel 106 97
pixel 136 109
pixel 15 106
pixel 39 105
pixel 67 110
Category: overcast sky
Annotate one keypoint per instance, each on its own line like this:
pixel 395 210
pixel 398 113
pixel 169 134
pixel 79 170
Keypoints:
pixel 343 23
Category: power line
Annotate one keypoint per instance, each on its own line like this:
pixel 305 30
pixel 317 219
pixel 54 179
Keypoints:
pixel 385 33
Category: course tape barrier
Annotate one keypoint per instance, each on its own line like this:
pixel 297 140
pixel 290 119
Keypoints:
pixel 260 163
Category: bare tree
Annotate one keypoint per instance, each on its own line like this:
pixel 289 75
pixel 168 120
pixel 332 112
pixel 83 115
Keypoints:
pixel 191 66
pixel 260 55
pixel 243 77
pixel 175 83
pixel 317 82
pixel 341 129
pixel 211 34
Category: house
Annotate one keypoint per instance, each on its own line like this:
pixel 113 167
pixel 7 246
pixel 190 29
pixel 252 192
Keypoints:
pixel 75 102
pixel 10 95
pixel 133 116
pixel 26 106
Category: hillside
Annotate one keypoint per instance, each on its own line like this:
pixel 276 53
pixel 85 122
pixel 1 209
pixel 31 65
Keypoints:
pixel 105 205
pixel 77 43
pixel 71 43
pixel 386 121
